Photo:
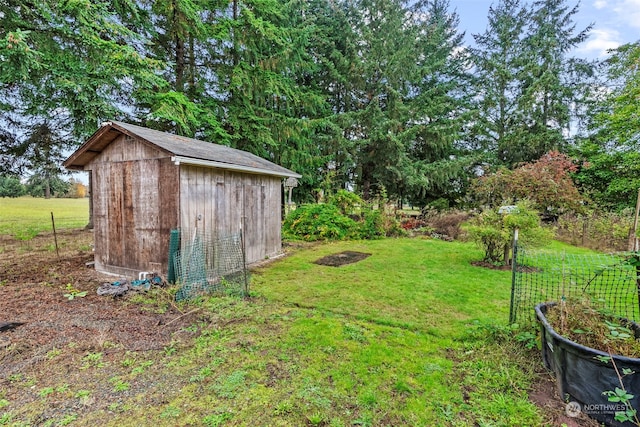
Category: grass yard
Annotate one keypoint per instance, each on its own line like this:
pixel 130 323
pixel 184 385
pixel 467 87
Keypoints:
pixel 413 335
pixel 407 337
pixel 414 284
pixel 25 217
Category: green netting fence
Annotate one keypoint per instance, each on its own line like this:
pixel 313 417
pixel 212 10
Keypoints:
pixel 609 281
pixel 207 264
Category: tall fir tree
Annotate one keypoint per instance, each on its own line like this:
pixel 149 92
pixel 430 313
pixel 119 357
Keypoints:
pixel 530 86
pixel 396 99
pixel 552 78
pixel 439 162
pixel 611 173
pixel 65 67
pixel 499 61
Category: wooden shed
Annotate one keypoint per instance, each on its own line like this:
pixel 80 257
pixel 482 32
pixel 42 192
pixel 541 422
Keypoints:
pixel 146 183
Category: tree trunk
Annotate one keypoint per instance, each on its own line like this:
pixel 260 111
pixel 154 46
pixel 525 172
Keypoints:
pixel 366 181
pixel 507 252
pixel 180 64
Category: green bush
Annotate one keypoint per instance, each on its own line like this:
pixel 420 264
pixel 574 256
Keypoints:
pixel 372 226
pixel 348 202
pixel 330 222
pixel 493 231
pixel 319 222
pixel 11 187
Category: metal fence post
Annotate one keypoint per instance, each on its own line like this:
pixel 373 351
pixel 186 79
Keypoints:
pixel 514 269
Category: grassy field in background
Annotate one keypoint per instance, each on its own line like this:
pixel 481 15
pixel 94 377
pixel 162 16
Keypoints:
pixel 25 217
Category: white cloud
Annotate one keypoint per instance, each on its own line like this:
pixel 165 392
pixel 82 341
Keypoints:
pixel 628 12
pixel 600 41
pixel 600 4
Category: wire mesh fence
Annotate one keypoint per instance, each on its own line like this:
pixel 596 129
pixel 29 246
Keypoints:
pixel 609 281
pixel 208 264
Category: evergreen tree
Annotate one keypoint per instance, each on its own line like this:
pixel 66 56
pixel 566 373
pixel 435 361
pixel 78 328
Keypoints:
pixel 552 79
pixel 439 163
pixel 529 84
pixel 64 67
pixel 77 61
pixel 611 173
pixel 332 54
pixel 42 151
pixel 183 31
pixel 396 98
pixel 10 186
pixel 499 62
pixel 265 110
pixel 380 83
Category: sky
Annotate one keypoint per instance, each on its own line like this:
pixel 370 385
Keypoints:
pixel 616 22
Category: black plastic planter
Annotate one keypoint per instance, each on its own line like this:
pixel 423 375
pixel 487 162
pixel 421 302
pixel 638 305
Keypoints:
pixel 582 377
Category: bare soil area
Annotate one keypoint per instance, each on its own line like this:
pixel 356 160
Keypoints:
pixel 34 283
pixel 342 258
pixel 53 333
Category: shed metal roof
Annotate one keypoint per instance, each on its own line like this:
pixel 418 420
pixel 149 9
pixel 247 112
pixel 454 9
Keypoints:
pixel 182 149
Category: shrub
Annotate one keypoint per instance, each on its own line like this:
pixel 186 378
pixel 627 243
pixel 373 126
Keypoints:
pixel 493 231
pixel 389 223
pixel 346 201
pixel 546 183
pixel 319 222
pixel 602 231
pixel 372 226
pixel 412 223
pixel 327 222
pixel 446 223
pixel 11 187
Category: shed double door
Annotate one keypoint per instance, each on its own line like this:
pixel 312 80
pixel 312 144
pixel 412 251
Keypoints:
pixel 132 215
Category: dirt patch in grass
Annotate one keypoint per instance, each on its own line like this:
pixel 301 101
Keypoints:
pixel 490 265
pixel 57 333
pixel 503 267
pixel 545 396
pixel 342 258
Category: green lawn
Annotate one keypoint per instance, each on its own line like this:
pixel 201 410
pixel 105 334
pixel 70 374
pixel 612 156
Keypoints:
pixel 413 335
pixel 25 217
pixel 426 285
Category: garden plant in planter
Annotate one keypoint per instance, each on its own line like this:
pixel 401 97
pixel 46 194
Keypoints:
pixel 595 357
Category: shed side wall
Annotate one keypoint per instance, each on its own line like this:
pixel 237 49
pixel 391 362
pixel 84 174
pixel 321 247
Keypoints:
pixel 227 202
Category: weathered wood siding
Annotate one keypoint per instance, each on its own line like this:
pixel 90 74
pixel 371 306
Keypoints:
pixel 227 202
pixel 135 205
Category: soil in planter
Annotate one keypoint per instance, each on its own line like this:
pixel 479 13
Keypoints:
pixel 583 322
